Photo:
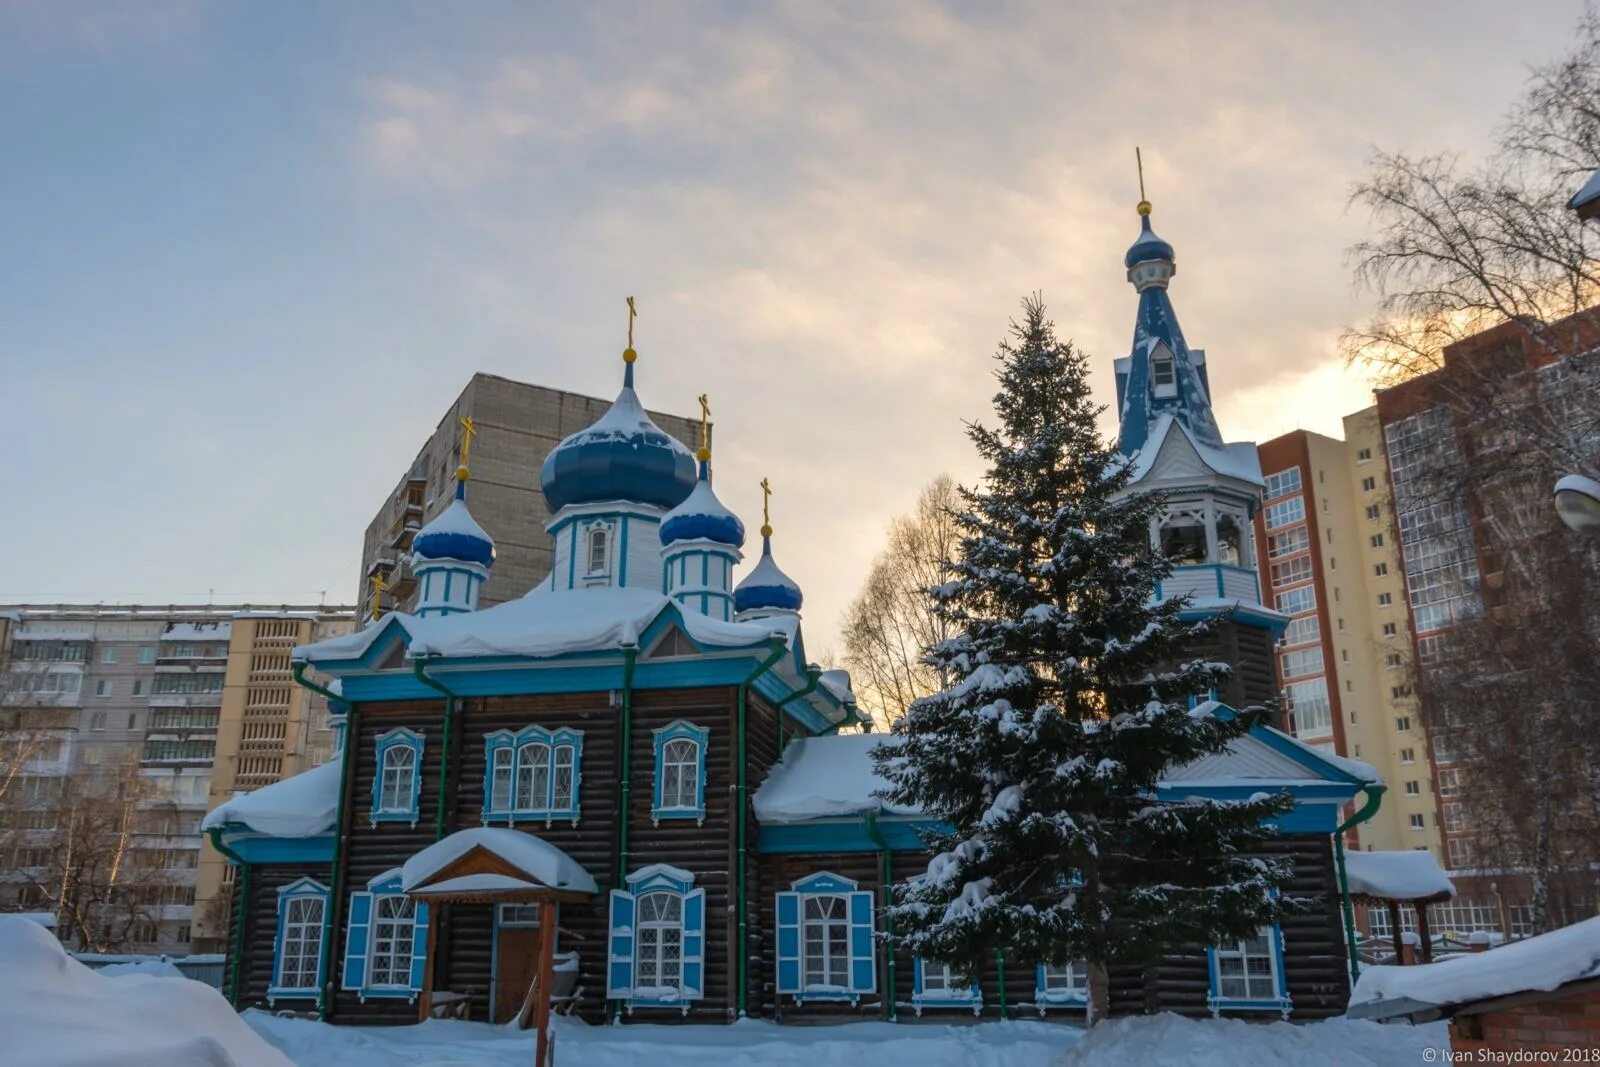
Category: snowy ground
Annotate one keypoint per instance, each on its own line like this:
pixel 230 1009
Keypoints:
pixel 1163 1040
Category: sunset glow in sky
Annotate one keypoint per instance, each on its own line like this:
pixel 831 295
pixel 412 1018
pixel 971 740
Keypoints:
pixel 249 253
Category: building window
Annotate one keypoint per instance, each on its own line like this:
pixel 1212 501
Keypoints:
pixel 680 772
pixel 97 721
pixel 1384 600
pixel 397 787
pixel 1372 511
pixel 533 774
pixel 1298 601
pixel 1291 571
pixel 1285 512
pixel 1287 543
pixel 1450 782
pixel 1283 483
pixel 1313 712
pixel 1392 660
pixel 1302 631
pixel 599 546
pixel 386 941
pixel 1390 629
pixel 825 940
pixel 936 985
pixel 1380 569
pixel 1164 376
pixel 1413 788
pixel 108 655
pixel 1364 455
pixel 1399 692
pixel 1402 723
pixel 1299 664
pixel 1061 984
pixel 1417 821
pixel 1247 974
pixel 657 939
pixel 1368 484
pixel 147 656
pixel 1408 755
pixel 297 966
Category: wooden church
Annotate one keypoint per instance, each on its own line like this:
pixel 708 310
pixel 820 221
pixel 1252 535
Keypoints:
pixel 632 791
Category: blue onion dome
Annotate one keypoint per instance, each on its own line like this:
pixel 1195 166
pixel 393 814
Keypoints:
pixel 623 456
pixel 454 533
pixel 766 587
pixel 702 517
pixel 1148 247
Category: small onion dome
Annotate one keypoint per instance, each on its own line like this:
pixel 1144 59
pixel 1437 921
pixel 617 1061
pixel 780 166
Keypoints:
pixel 702 517
pixel 623 456
pixel 1148 247
pixel 766 588
pixel 454 534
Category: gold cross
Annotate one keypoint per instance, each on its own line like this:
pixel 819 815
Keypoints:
pixel 468 432
pixel 705 424
pixel 633 313
pixel 766 512
pixel 378 589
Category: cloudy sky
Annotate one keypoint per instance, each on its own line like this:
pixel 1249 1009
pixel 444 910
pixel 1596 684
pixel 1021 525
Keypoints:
pixel 249 253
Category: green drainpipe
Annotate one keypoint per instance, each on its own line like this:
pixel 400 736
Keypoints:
pixel 851 717
pixel 1368 810
pixel 813 679
pixel 630 655
pixel 419 669
pixel 1000 965
pixel 778 648
pixel 240 908
pixel 886 875
pixel 336 877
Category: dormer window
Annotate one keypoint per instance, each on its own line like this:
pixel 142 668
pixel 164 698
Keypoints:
pixel 599 550
pixel 1164 376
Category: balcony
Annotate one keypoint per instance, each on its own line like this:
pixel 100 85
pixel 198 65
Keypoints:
pixel 183 719
pixel 1211 581
pixel 186 700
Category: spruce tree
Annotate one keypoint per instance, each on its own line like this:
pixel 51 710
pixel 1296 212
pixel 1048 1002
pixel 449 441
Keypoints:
pixel 1068 700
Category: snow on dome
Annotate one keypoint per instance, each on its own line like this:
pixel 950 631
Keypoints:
pixel 702 517
pixel 1541 963
pixel 543 863
pixel 1408 875
pixel 58 1012
pixel 1148 246
pixel 454 534
pixel 826 777
pixel 766 587
pixel 623 456
pixel 301 806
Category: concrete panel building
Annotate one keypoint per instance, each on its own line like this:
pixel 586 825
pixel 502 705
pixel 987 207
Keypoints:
pixel 517 425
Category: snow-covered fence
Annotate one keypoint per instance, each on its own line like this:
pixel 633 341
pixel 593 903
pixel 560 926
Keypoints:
pixel 207 968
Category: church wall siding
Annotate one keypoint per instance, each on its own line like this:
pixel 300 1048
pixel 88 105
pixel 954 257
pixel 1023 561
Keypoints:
pixel 261 930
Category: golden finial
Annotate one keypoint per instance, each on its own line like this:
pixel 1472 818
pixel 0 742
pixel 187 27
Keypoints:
pixel 628 354
pixel 468 432
pixel 766 508
pixel 704 453
pixel 379 587
pixel 1138 159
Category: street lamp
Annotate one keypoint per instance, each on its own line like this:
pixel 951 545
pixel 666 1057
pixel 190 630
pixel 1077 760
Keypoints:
pixel 1578 503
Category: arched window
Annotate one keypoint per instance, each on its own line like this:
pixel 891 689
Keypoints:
pixel 500 778
pixel 658 961
pixel 533 776
pixel 399 767
pixel 1230 540
pixel 1183 541
pixel 680 786
pixel 599 550
pixel 396 786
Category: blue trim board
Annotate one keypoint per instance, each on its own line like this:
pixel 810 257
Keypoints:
pixel 843 836
pixel 254 847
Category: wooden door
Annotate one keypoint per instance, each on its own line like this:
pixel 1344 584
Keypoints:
pixel 516 959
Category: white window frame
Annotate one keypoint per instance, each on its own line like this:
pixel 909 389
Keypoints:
pixel 402 937
pixel 825 925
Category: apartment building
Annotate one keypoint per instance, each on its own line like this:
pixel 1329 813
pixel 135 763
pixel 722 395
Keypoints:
pixel 515 426
pixel 171 695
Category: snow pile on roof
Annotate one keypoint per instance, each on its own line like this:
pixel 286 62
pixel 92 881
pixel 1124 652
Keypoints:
pixel 542 862
pixel 823 777
pixel 1410 875
pixel 1237 459
pixel 1355 768
pixel 301 806
pixel 1542 963
pixel 837 682
pixel 198 631
pixel 1251 750
pixel 55 1012
pixel 1172 1039
pixel 545 622
pixel 152 968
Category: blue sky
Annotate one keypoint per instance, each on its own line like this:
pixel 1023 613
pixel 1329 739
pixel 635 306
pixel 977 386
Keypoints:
pixel 249 252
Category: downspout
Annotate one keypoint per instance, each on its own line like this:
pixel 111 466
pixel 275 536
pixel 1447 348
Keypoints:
pixel 215 833
pixel 419 670
pixel 1374 794
pixel 813 678
pixel 886 875
pixel 630 656
pixel 851 717
pixel 336 876
pixel 779 646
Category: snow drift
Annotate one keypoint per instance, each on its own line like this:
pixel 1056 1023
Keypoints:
pixel 55 1012
pixel 1172 1039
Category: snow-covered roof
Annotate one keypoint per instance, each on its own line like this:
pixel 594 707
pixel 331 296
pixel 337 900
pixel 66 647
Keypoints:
pixel 198 631
pixel 834 776
pixel 454 534
pixel 702 517
pixel 837 682
pixel 766 587
pixel 302 806
pixel 1409 875
pixel 545 622
pixel 43 918
pixel 1541 963
pixel 1588 194
pixel 1237 459
pixel 543 863
pixel 825 777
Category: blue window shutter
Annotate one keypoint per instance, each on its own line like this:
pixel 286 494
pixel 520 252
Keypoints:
pixel 419 947
pixel 700 773
pixel 694 940
pixel 355 941
pixel 788 915
pixel 863 965
pixel 277 942
pixel 619 972
pixel 916 978
pixel 658 744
